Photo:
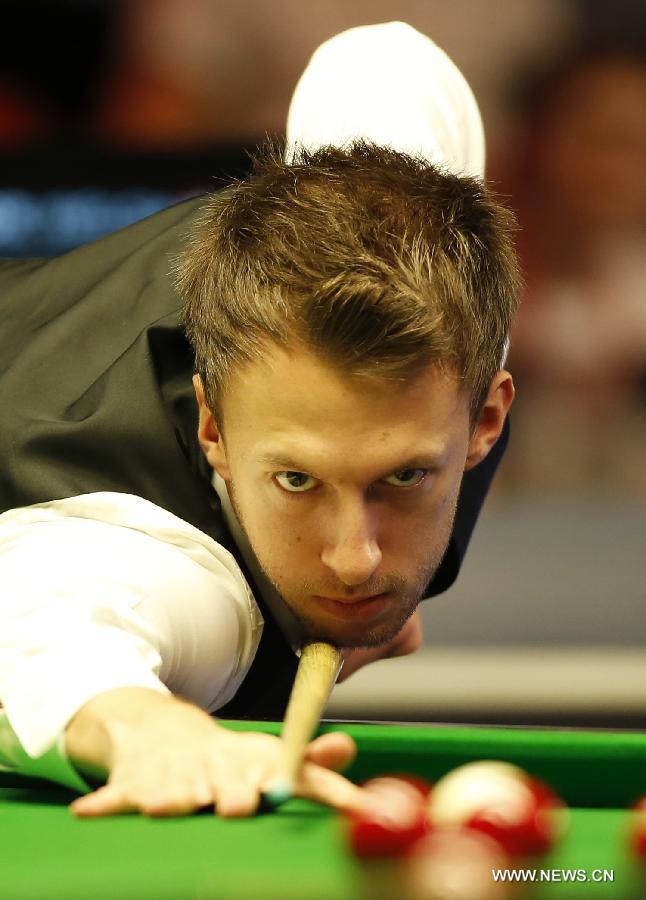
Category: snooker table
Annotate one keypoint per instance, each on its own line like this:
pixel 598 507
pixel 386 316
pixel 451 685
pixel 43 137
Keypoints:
pixel 297 851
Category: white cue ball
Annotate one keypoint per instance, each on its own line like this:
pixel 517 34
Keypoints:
pixel 476 786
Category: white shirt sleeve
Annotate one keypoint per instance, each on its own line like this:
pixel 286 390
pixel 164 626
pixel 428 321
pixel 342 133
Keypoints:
pixel 108 590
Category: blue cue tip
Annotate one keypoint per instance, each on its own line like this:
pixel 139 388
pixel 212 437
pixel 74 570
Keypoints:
pixel 280 792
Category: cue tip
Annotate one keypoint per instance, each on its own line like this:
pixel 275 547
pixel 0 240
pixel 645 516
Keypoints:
pixel 278 793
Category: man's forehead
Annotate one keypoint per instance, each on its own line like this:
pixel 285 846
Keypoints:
pixel 378 438
pixel 299 413
pixel 295 385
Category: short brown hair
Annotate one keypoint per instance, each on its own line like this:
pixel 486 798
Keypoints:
pixel 375 260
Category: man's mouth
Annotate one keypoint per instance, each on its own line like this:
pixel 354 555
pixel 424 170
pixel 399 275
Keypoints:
pixel 354 608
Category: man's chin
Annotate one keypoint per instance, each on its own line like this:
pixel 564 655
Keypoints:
pixel 352 636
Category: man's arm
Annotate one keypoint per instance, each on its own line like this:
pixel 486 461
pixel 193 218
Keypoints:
pixel 165 757
pixel 80 662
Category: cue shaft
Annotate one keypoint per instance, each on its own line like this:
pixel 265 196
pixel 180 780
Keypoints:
pixel 317 672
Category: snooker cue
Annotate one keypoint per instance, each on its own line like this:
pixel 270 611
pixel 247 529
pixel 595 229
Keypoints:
pixel 318 669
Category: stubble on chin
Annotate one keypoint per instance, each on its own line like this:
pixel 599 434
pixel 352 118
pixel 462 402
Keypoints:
pixel 371 636
pixel 322 627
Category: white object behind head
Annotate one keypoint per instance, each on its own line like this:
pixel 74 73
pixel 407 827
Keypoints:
pixel 391 85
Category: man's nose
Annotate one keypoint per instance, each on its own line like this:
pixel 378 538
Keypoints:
pixel 353 552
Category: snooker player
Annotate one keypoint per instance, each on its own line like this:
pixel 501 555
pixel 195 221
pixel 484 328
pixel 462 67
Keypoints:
pixel 286 435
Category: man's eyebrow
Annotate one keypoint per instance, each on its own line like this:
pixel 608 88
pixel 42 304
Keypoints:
pixel 280 460
pixel 430 459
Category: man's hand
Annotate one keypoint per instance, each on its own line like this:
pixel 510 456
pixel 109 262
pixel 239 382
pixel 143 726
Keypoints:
pixel 408 640
pixel 166 757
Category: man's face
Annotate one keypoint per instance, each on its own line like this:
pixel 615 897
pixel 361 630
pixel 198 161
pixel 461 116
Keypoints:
pixel 345 487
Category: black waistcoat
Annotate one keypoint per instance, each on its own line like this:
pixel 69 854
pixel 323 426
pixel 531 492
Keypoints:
pixel 96 395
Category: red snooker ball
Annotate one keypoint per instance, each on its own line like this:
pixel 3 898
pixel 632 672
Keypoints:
pixel 638 829
pixel 398 818
pixel 523 814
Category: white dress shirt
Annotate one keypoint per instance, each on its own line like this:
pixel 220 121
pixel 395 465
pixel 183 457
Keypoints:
pixel 107 590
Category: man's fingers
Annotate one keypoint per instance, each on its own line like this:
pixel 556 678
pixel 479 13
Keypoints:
pixel 410 638
pixel 332 751
pixel 332 789
pixel 106 801
pixel 407 641
pixel 232 782
pixel 111 800
pixel 238 799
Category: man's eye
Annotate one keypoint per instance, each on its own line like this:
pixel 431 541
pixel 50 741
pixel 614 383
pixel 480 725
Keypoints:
pixel 407 477
pixel 295 482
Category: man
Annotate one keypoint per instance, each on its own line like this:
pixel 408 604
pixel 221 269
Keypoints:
pixel 169 544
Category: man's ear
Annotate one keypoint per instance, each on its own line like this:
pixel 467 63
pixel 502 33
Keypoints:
pixel 208 433
pixel 492 418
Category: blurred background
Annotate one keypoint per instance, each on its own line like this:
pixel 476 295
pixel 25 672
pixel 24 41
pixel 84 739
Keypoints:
pixel 112 110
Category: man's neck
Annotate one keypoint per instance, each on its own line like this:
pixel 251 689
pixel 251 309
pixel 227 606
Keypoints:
pixel 281 613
